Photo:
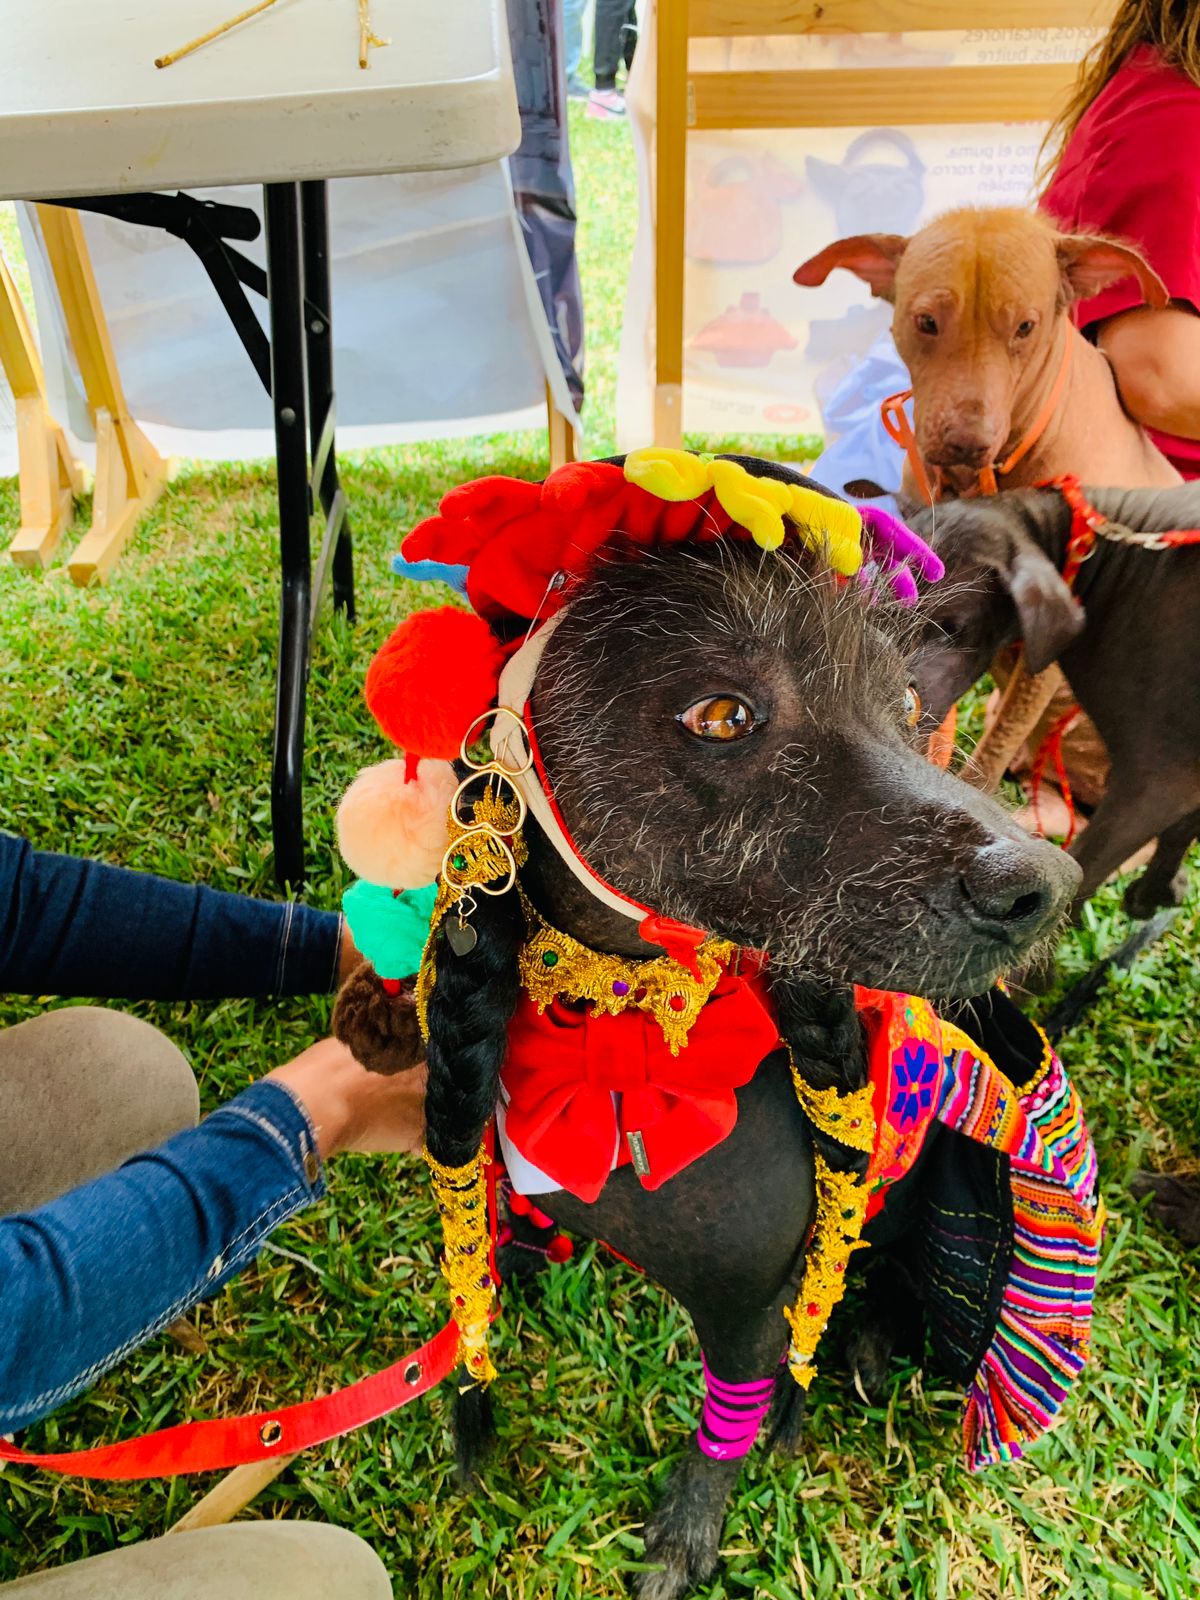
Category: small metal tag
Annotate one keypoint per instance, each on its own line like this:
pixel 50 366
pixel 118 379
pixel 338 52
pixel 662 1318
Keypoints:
pixel 462 936
pixel 637 1149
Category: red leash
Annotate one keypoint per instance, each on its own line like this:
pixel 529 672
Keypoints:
pixel 234 1441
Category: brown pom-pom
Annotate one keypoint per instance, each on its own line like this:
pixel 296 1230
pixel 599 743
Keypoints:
pixel 380 1029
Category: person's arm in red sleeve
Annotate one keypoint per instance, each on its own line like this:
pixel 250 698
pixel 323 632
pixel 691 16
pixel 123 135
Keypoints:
pixel 1139 179
pixel 1155 357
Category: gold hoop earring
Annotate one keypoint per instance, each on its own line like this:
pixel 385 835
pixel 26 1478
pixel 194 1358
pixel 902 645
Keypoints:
pixel 495 765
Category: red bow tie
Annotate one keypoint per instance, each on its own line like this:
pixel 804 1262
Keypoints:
pixel 564 1066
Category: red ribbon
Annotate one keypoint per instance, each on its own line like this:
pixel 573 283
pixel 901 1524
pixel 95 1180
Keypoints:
pixel 564 1066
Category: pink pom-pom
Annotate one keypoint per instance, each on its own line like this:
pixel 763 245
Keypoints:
pixel 394 833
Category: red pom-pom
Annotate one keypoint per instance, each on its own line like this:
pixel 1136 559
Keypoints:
pixel 560 1248
pixel 436 673
pixel 518 1204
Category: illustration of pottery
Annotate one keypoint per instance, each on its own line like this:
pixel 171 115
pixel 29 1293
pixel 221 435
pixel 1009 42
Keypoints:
pixel 745 335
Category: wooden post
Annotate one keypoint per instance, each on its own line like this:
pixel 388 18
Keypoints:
pixel 130 473
pixel 50 477
pixel 233 1493
pixel 562 434
pixel 670 203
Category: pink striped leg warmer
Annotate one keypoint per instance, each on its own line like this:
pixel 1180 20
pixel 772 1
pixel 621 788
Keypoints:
pixel 732 1415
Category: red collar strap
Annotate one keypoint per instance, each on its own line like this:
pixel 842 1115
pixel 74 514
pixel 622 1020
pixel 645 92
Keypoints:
pixel 1086 523
pixel 529 776
pixel 678 939
pixel 897 426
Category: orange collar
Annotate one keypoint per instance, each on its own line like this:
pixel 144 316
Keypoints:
pixel 897 427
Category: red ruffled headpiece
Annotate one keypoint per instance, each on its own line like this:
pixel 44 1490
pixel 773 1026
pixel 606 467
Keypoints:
pixel 440 668
pixel 516 536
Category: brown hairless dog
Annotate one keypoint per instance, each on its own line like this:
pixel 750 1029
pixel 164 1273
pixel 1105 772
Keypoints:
pixel 981 300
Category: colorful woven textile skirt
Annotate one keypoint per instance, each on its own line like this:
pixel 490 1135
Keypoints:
pixel 1002 1224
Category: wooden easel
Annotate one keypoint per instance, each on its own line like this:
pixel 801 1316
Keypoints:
pixel 50 476
pixel 130 473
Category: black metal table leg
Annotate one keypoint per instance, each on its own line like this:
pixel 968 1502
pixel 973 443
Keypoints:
pixel 286 295
pixel 321 408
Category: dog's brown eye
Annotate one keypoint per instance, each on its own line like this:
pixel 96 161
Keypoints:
pixel 925 323
pixel 1024 329
pixel 722 717
pixel 912 706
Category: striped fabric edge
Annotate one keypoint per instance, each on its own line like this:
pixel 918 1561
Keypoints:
pixel 1042 1334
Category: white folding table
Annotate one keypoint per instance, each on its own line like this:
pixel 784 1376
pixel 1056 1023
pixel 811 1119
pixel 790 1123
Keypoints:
pixel 88 121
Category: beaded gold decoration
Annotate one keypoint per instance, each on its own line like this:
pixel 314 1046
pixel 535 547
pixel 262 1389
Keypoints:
pixel 848 1118
pixel 482 857
pixel 553 964
pixel 841 1213
pixel 461 1194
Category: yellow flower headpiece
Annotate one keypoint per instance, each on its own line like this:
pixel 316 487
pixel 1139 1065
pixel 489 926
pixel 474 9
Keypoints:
pixel 827 526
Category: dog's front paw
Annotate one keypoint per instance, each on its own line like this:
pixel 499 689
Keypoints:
pixel 684 1535
pixel 1146 895
pixel 1175 1202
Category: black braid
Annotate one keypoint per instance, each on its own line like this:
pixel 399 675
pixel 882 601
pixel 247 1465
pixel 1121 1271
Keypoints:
pixel 469 1012
pixel 828 1045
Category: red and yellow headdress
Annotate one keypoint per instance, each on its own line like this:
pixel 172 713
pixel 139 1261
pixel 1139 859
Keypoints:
pixel 524 547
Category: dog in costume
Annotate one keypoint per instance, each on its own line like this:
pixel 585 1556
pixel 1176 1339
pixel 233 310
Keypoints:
pixel 658 882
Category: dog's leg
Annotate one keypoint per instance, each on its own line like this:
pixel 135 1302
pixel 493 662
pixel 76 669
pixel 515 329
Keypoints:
pixel 1176 1201
pixel 724 1238
pixel 1131 814
pixel 890 1322
pixel 1164 882
pixel 741 1353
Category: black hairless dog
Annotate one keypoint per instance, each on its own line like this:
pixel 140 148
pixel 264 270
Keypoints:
pixel 819 834
pixel 1126 641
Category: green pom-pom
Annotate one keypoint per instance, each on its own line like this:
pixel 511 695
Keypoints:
pixel 390 929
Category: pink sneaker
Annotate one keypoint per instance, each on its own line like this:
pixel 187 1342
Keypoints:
pixel 605 104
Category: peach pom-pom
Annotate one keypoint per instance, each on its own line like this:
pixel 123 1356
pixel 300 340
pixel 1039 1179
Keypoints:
pixel 394 833
pixel 436 672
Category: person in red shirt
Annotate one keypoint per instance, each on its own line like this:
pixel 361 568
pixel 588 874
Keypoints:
pixel 1124 159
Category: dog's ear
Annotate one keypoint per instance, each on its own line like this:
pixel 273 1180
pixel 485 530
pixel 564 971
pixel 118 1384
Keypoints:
pixel 1089 263
pixel 1048 612
pixel 873 257
pixel 866 489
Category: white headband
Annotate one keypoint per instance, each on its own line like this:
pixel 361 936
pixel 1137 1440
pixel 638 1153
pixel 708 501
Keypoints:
pixel 516 685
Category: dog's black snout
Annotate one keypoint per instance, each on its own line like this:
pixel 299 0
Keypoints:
pixel 966 451
pixel 1006 891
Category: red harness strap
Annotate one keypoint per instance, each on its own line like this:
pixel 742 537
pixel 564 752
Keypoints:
pixel 233 1441
pixel 1087 526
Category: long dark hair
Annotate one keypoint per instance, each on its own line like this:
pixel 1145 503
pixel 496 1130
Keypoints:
pixel 469 1012
pixel 1171 26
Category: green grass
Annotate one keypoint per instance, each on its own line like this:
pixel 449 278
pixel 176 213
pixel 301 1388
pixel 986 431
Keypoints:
pixel 134 725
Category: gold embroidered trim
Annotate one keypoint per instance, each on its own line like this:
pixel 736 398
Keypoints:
pixel 841 1213
pixel 461 1194
pixel 553 964
pixel 848 1118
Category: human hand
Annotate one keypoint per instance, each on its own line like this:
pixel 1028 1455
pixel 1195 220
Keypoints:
pixel 348 955
pixel 351 1108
